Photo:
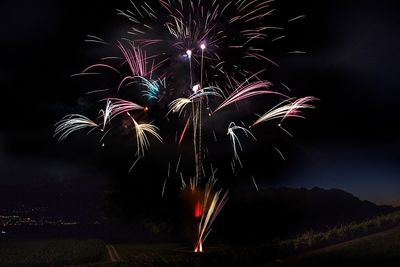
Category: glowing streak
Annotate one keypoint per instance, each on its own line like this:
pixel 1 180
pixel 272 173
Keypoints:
pixel 287 87
pixel 280 153
pixel 95 39
pixel 183 183
pixel 184 131
pixel 134 164
pixel 141 137
pixel 135 58
pixel 178 163
pixel 283 110
pixel 72 123
pixel 97 91
pixel 179 104
pixel 198 210
pixel 296 18
pixel 100 66
pixel 212 205
pixel 118 106
pixel 153 88
pixel 163 189
pixel 235 140
pixel 189 53
pixel 254 182
pixel 106 114
pixel 246 91
pixel 104 135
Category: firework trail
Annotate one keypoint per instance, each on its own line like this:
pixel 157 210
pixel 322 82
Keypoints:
pixel 213 203
pixel 72 123
pixel 106 113
pixel 178 105
pixel 246 91
pixel 142 140
pixel 287 110
pixel 121 106
pixel 235 140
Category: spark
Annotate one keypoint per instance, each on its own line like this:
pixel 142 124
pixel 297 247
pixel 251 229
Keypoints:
pixel 141 137
pixel 183 183
pixel 163 188
pixel 189 53
pixel 184 131
pixel 296 18
pixel 106 113
pixel 117 106
pixel 286 87
pixel 97 91
pixel 134 164
pixel 245 91
pixel 196 88
pixel 72 123
pixel 279 152
pixel 179 104
pixel 95 39
pixel 254 182
pixel 278 38
pixel 297 52
pixel 177 164
pixel 287 109
pixel 235 140
pixel 137 60
pixel 153 88
pixel 213 204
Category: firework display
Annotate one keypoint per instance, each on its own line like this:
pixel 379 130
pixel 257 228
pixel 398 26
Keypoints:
pixel 193 62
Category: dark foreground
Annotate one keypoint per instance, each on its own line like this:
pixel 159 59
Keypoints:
pixel 382 249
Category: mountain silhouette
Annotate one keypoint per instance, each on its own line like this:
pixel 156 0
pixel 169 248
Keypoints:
pixel 285 212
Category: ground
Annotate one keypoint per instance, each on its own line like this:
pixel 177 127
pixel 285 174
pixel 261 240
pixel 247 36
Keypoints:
pixel 382 249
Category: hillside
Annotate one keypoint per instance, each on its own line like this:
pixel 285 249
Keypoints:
pixel 284 212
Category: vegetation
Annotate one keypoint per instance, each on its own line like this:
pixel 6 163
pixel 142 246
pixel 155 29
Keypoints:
pixel 375 250
pixel 51 252
pixel 311 239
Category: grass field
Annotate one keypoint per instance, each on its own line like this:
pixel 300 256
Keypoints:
pixel 51 252
pixel 382 249
pixel 166 255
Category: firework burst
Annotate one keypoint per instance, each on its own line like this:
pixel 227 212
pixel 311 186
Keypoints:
pixel 235 140
pixel 72 123
pixel 191 58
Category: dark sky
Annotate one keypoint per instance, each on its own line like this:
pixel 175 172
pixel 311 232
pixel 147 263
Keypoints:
pixel 349 142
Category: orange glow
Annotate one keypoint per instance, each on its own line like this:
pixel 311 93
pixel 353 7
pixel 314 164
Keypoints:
pixel 199 248
pixel 198 210
pixel 146 109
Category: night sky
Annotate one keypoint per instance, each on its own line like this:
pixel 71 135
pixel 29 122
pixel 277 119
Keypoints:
pixel 351 141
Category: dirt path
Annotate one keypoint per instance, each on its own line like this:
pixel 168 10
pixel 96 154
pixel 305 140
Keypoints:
pixel 113 254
